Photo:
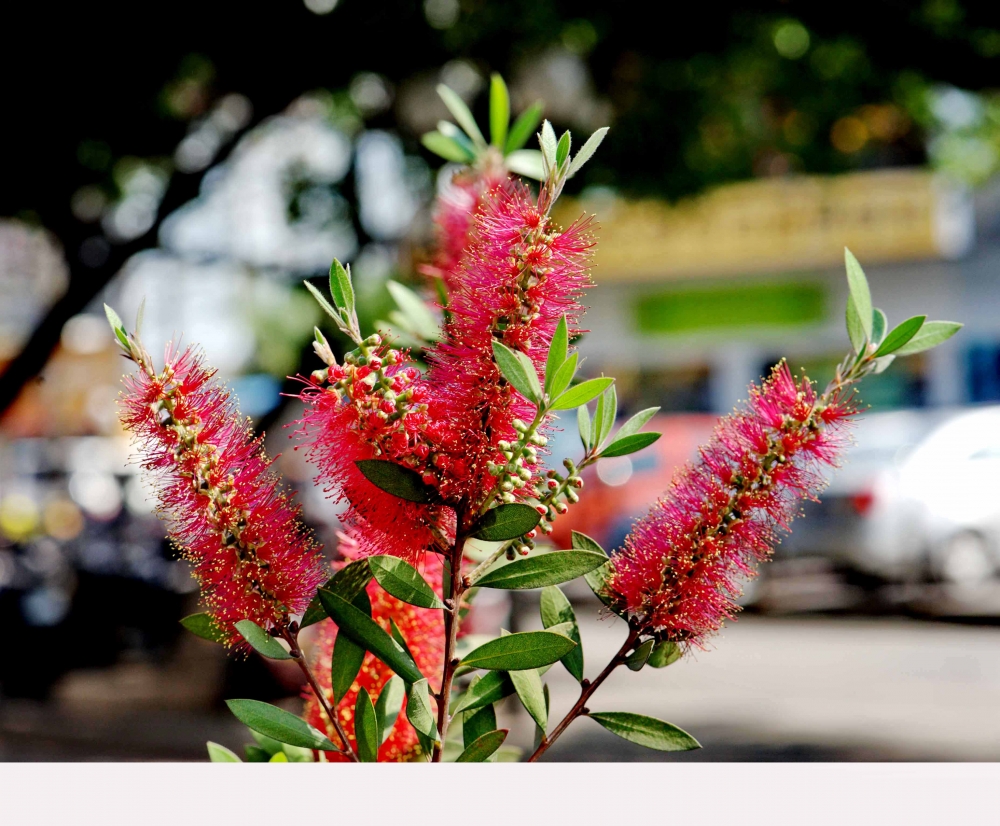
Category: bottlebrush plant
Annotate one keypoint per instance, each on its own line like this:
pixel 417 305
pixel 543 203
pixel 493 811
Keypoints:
pixel 425 460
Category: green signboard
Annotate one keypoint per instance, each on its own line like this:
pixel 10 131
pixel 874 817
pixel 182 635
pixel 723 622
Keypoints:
pixel 732 307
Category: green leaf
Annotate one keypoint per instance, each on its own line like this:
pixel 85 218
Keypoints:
pixel 563 376
pixel 583 425
pixel 220 754
pixel 582 393
pixel 390 703
pixel 633 425
pixel 462 115
pixel 268 744
pixel 879 325
pixel 587 151
pixel 562 150
pixel 447 148
pixel 482 748
pixel 855 332
pixel 882 363
pixel 202 625
pixel 255 754
pixel 930 335
pixel 604 418
pixel 646 731
pixel 279 724
pixel 526 123
pixel 478 723
pixel 341 288
pixel 400 481
pixel 345 665
pixel 637 659
pixel 499 111
pixel 527 163
pixel 449 130
pixel 280 757
pixel 113 318
pixel 403 581
pixel 597 580
pixel 416 311
pixel 493 687
pixel 622 446
pixel 582 542
pixel 558 351
pixel 665 653
pixel 513 369
pixel 397 635
pixel 547 140
pixel 367 633
pixel 328 308
pixel 348 582
pixel 366 728
pixel 507 522
pixel 517 652
pixel 860 292
pixel 900 335
pixel 418 710
pixel 139 316
pixel 262 642
pixel 531 692
pixel 557 610
pixel 542 569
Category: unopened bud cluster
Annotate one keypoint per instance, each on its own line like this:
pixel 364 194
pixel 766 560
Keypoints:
pixel 560 494
pixel 516 478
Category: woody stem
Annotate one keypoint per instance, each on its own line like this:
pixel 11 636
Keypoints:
pixel 451 623
pixel 296 653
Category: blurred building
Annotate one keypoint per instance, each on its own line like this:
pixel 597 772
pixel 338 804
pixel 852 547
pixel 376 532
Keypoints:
pixel 695 301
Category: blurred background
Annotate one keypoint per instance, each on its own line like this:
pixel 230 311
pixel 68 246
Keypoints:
pixel 210 158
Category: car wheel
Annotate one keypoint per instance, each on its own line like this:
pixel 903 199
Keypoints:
pixel 965 559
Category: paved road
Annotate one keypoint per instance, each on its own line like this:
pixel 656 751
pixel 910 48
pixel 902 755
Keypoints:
pixel 804 688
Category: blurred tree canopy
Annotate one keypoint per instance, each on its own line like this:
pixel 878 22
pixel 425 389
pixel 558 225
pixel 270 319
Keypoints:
pixel 696 95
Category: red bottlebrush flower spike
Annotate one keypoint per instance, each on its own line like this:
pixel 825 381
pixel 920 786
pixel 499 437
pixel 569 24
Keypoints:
pixel 679 570
pixel 423 630
pixel 220 495
pixel 518 276
pixel 454 216
pixel 373 410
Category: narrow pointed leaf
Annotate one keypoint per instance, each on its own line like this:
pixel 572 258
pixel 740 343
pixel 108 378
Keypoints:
pixel 879 325
pixel 587 150
pixel 279 724
pixel 930 335
pixel 514 371
pixel 507 522
pixel 400 481
pixel 345 665
pixel 415 309
pixel 397 635
pixel 418 710
pixel 526 123
pixel 542 569
pixel 348 582
pixel 558 351
pixel 608 413
pixel 388 706
pixel 562 149
pixel 900 335
pixel 664 654
pixel 622 446
pixel 646 731
pixel 516 652
pixel 532 374
pixel 499 111
pixel 563 376
pixel 493 687
pixel 366 728
pixel 855 332
pixel 220 754
pixel 882 363
pixel 481 749
pixel 478 723
pixel 860 292
pixel 367 633
pixel 447 148
pixel 547 140
pixel 255 754
pixel 582 542
pixel 280 757
pixel 328 308
pixel 261 642
pixel 635 424
pixel 202 625
pixel 638 658
pixel 463 117
pixel 583 425
pixel 531 692
pixel 341 288
pixel 527 163
pixel 403 581
pixel 557 610
pixel 582 393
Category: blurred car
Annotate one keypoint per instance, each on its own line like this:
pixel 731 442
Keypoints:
pixel 936 514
